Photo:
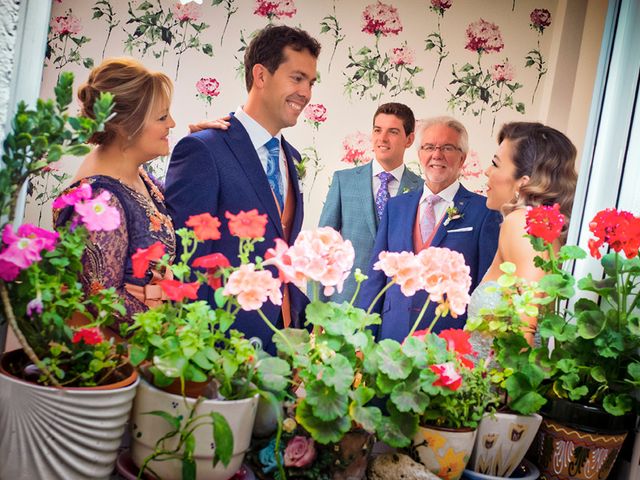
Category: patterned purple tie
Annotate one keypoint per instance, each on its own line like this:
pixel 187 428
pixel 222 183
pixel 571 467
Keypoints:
pixel 428 218
pixel 382 196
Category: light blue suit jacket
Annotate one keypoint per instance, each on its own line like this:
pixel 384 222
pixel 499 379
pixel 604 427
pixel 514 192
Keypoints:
pixel 350 209
pixel 475 235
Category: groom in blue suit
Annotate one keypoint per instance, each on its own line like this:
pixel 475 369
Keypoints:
pixel 251 165
pixel 442 214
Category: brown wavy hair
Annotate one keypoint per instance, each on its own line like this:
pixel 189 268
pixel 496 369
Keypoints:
pixel 137 91
pixel 548 158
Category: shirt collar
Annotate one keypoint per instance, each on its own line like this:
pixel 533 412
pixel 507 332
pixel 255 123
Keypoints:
pixel 447 194
pixel 397 173
pixel 257 133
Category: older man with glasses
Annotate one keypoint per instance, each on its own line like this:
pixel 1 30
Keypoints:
pixel 441 214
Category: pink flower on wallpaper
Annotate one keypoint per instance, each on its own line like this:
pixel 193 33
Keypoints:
pixel 208 87
pixel 472 167
pixel 403 55
pixel 540 19
pixel 65 25
pixel 275 8
pixel 316 113
pixel 188 12
pixel 441 5
pixel 381 19
pixel 503 72
pixel 483 36
pixel 357 149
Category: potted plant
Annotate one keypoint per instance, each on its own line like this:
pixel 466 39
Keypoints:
pixel 351 383
pixel 184 343
pixel 594 366
pixel 68 380
pixel 505 436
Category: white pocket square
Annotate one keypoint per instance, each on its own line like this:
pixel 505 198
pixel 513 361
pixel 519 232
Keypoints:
pixel 464 229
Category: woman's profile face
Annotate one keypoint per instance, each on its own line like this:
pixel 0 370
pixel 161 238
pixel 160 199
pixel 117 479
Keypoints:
pixel 153 141
pixel 501 182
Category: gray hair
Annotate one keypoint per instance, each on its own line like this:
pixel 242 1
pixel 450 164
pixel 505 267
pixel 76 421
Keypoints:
pixel 424 124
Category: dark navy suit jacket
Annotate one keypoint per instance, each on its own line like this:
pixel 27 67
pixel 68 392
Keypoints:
pixel 475 235
pixel 217 171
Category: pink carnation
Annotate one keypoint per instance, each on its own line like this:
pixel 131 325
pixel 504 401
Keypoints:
pixel 381 19
pixel 321 255
pixel 97 214
pixel 187 12
pixel 540 19
pixel 357 149
pixel 275 8
pixel 208 86
pixel 316 113
pixel 66 25
pixel 78 194
pixel 503 72
pixel 253 287
pixel 483 36
pixel 23 248
pixel 402 55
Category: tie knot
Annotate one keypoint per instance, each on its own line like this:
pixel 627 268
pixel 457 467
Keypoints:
pixel 385 178
pixel 433 199
pixel 273 144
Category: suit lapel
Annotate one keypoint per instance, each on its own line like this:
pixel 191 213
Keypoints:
pixel 408 182
pixel 240 144
pixel 362 185
pixel 292 159
pixel 460 201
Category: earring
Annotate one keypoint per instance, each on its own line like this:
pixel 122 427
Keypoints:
pixel 517 195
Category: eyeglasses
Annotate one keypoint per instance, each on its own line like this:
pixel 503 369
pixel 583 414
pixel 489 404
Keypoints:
pixel 447 148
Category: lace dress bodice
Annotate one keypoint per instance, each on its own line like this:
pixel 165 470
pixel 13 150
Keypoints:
pixel 482 298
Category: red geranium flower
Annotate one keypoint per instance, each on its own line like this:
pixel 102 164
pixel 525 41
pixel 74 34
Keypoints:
pixel 204 226
pixel 458 341
pixel 212 263
pixel 448 377
pixel 545 222
pixel 178 291
pixel 90 336
pixel 143 256
pixel 619 229
pixel 249 224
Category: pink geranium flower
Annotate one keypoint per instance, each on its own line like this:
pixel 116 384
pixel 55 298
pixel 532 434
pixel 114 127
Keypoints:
pixel 321 255
pixel 404 268
pixel 97 215
pixel 253 287
pixel 78 194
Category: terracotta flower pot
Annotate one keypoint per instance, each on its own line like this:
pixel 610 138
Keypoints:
pixel 444 451
pixel 502 442
pixel 61 433
pixel 578 442
pixel 147 429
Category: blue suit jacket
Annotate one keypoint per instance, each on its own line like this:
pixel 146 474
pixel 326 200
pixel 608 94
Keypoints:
pixel 350 209
pixel 217 171
pixel 475 235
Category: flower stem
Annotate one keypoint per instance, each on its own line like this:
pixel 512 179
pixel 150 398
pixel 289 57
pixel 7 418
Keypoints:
pixel 276 331
pixel 380 294
pixel 420 315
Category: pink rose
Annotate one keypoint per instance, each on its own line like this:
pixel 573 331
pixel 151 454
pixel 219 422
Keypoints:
pixel 300 452
pixel 540 19
pixel 357 149
pixel 483 36
pixel 187 12
pixel 208 87
pixel 316 113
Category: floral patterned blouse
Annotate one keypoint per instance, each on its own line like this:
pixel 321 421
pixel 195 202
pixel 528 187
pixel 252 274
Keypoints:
pixel 107 259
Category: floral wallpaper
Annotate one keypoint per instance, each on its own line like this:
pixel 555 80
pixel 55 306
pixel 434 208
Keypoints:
pixel 483 62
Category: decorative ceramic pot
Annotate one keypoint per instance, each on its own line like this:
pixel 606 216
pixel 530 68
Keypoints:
pixel 502 442
pixel 61 433
pixel 147 429
pixel 578 442
pixel 444 451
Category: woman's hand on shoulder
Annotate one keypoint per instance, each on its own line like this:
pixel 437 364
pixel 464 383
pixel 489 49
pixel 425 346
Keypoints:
pixel 219 124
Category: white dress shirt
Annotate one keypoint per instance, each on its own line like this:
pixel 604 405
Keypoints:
pixel 394 183
pixel 259 136
pixel 441 207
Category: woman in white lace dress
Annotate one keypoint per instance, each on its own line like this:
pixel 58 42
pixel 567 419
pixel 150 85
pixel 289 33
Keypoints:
pixel 534 165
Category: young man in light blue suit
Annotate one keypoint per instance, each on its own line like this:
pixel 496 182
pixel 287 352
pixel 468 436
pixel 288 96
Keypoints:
pixel 441 214
pixel 251 165
pixel 351 206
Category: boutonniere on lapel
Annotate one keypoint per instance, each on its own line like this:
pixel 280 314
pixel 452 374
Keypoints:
pixel 406 190
pixel 301 167
pixel 452 214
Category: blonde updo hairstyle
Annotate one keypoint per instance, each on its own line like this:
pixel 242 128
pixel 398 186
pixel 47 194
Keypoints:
pixel 548 158
pixel 137 92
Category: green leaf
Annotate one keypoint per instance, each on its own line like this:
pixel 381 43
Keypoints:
pixel 407 397
pixel 327 404
pixel 188 462
pixel 392 361
pixel 138 353
pixel 368 417
pixel 223 439
pixel 618 404
pixel 338 373
pixel 272 373
pixel 590 323
pixel 171 420
pixel 398 429
pixel 323 432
